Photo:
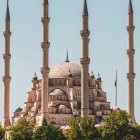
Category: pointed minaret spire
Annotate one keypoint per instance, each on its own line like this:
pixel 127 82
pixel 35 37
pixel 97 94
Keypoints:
pixel 7 17
pixel 6 77
pixel 67 57
pixel 85 60
pixel 130 7
pixel 85 9
pixel 131 74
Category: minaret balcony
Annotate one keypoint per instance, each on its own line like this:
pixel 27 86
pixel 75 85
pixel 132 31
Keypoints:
pixel 85 33
pixel 7 34
pixel 45 70
pixel 6 56
pixel 45 45
pixel 130 28
pixel 131 76
pixel 45 19
pixel 85 60
pixel 130 52
pixel 6 79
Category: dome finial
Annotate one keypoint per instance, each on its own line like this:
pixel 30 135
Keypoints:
pixel 99 77
pixel 67 57
pixel 70 74
pixel 35 76
pixel 92 75
pixel 92 72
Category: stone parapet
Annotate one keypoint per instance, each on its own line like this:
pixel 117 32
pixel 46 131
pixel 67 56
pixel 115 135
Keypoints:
pixel 7 34
pixel 45 45
pixel 130 28
pixel 130 51
pixel 45 70
pixel 45 20
pixel 85 33
pixel 84 61
pixel 131 75
pixel 6 56
pixel 6 78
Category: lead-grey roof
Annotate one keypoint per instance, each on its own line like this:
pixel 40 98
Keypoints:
pixel 18 109
pixel 7 17
pixel 85 9
pixel 130 8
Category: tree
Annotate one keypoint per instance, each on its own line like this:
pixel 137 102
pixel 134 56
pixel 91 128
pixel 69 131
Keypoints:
pixel 2 133
pixel 130 137
pixel 81 129
pixel 48 132
pixel 23 130
pixel 136 131
pixel 116 126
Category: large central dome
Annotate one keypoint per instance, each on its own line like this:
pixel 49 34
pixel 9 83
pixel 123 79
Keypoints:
pixel 64 70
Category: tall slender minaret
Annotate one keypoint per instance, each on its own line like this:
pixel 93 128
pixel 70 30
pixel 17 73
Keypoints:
pixel 85 60
pixel 45 59
pixel 130 53
pixel 7 78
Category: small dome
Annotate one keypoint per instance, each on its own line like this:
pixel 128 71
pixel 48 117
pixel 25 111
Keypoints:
pixel 62 106
pixel 18 109
pixel 35 77
pixel 62 70
pixel 99 94
pixel 99 77
pixel 116 108
pixel 57 92
pixel 92 75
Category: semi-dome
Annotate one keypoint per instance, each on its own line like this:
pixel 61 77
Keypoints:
pixel 57 92
pixel 63 106
pixel 63 70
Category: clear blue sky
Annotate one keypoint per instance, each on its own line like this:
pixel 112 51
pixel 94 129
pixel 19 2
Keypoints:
pixel 108 44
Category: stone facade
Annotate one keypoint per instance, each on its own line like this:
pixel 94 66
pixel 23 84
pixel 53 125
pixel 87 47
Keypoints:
pixel 64 97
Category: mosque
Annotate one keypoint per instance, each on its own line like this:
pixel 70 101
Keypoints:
pixel 66 90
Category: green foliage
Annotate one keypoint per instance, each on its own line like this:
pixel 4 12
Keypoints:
pixel 48 132
pixel 81 129
pixel 116 126
pixel 23 130
pixel 130 137
pixel 2 133
pixel 136 131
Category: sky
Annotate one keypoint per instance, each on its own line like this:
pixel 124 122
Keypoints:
pixel 107 47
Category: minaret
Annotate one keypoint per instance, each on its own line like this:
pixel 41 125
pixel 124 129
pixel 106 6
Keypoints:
pixel 45 59
pixel 7 78
pixel 85 60
pixel 130 53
